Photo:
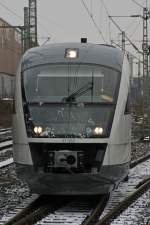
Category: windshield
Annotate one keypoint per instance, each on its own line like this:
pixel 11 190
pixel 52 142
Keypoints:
pixel 80 83
pixel 72 100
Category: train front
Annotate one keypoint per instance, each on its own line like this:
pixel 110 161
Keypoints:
pixel 66 98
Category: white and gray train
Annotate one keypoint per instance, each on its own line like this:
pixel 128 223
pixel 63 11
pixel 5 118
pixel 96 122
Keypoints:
pixel 72 125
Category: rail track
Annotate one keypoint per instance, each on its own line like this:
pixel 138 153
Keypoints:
pixel 59 210
pixel 5 138
pixel 127 193
pixel 5 132
pixel 84 210
pixel 7 143
pixel 78 213
pixel 124 204
pixel 6 159
pixel 6 163
pixel 19 210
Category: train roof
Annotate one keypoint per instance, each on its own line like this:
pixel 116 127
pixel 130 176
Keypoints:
pixel 104 55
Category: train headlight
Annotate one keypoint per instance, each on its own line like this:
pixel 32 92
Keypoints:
pixel 71 53
pixel 98 130
pixel 38 130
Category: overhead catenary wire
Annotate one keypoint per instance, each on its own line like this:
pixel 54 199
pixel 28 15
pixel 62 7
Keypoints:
pixel 105 8
pixel 93 20
pixel 47 40
pixel 128 52
pixel 107 13
pixel 48 20
pixel 43 28
pixel 136 28
pixel 91 6
pixel 11 11
pixel 133 45
pixel 134 19
pixel 131 24
pixel 21 18
pixel 137 3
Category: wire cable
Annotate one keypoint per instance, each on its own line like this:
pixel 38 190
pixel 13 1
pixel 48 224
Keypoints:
pixel 130 25
pixel 105 8
pixel 107 13
pixel 136 28
pixel 137 3
pixel 133 45
pixel 128 52
pixel 11 11
pixel 47 40
pixel 44 28
pixel 92 18
pixel 91 6
pixel 48 20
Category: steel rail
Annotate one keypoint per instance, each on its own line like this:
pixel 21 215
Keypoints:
pixel 5 144
pixel 6 163
pixel 117 210
pixel 36 214
pixel 32 206
pixel 138 161
pixel 5 139
pixel 38 209
pixel 97 211
pixel 5 130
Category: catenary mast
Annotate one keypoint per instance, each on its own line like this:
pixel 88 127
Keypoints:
pixel 33 23
pixel 146 79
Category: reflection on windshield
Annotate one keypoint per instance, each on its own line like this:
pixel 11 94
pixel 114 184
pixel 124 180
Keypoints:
pixel 72 120
pixel 71 100
pixel 81 91
pixel 76 82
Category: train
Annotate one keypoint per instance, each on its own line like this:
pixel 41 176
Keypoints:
pixel 72 123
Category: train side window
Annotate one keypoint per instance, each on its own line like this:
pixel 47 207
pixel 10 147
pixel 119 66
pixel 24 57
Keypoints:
pixel 127 108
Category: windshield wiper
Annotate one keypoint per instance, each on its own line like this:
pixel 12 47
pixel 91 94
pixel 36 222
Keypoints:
pixel 81 91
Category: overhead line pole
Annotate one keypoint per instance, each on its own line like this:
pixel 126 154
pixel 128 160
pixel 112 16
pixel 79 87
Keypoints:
pixel 26 29
pixel 133 45
pixel 33 42
pixel 146 77
pixel 123 41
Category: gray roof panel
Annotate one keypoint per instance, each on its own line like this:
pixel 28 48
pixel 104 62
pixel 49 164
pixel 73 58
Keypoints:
pixel 88 53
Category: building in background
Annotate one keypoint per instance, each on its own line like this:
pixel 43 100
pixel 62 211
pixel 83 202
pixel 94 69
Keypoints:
pixel 10 53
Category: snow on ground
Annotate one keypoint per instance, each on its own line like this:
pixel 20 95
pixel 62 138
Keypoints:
pixel 6 162
pixel 11 193
pixel 137 214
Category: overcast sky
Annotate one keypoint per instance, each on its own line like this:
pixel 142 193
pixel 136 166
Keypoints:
pixel 68 20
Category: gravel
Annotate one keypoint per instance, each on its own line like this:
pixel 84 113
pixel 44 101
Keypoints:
pixel 139 149
pixel 12 191
pixel 6 154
